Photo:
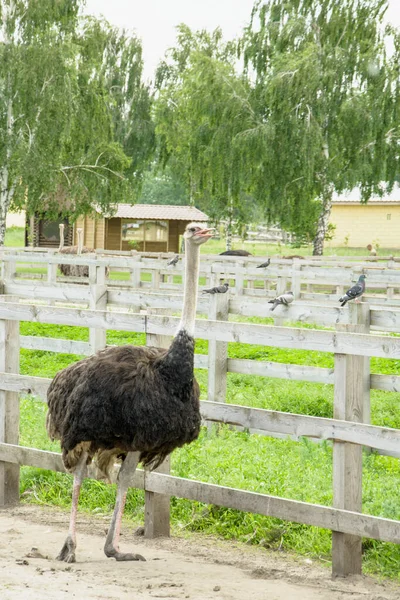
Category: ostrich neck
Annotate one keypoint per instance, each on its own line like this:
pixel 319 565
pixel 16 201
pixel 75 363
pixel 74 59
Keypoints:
pixel 61 240
pixel 191 283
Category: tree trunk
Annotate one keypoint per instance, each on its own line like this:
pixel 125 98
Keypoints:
pixel 229 222
pixel 5 199
pixel 323 221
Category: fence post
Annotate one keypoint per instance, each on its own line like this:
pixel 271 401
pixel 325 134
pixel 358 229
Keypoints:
pixel 98 301
pixel 157 506
pixel 296 279
pixel 350 400
pixel 9 410
pixel 281 288
pixel 217 351
pixel 136 272
pixel 239 278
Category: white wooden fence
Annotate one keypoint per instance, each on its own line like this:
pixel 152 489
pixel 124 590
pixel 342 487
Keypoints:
pixel 349 430
pixel 310 279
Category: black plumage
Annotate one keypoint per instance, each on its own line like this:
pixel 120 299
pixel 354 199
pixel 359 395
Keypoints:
pixel 264 265
pixel 219 289
pixel 136 404
pixel 235 253
pixel 104 400
pixel 354 292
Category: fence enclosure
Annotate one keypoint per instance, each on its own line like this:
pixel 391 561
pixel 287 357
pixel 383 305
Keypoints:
pixel 105 308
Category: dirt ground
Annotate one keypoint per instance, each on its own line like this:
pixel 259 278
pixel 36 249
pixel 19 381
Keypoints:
pixel 198 568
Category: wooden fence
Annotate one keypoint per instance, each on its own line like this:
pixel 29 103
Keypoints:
pixel 349 430
pixel 324 280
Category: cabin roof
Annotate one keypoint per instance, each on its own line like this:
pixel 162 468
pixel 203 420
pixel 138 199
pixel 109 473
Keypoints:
pixel 354 197
pixel 164 212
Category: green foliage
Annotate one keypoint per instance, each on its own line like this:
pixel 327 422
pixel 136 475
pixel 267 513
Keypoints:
pixel 74 113
pixel 326 98
pixel 201 112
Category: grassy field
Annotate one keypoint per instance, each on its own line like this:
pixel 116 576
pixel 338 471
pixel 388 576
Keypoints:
pixel 298 470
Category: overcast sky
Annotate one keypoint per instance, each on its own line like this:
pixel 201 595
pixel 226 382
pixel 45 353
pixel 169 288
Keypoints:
pixel 154 21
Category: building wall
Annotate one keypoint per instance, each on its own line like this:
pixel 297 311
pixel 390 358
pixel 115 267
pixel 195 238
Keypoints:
pixel 113 238
pixel 360 225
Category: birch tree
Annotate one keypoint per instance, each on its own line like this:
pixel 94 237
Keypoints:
pixel 59 111
pixel 327 100
pixel 202 109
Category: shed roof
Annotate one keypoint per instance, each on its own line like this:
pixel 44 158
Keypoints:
pixel 165 212
pixel 354 197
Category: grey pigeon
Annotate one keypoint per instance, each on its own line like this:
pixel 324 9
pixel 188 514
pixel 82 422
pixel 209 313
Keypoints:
pixel 219 289
pixel 172 261
pixel 284 299
pixel 264 265
pixel 354 292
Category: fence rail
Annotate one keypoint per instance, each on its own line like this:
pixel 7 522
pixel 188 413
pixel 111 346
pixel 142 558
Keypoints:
pixel 309 279
pixel 349 430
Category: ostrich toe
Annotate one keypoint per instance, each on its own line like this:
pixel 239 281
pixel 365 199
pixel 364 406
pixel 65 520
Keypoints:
pixel 67 553
pixel 122 556
pixel 111 552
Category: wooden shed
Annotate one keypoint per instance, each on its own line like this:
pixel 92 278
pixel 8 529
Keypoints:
pixel 142 227
pixel 357 224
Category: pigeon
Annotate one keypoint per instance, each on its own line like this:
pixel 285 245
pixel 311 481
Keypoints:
pixel 264 265
pixel 220 289
pixel 284 299
pixel 172 261
pixel 354 292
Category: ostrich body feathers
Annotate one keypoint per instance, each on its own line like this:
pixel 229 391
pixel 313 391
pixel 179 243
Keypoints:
pixel 126 399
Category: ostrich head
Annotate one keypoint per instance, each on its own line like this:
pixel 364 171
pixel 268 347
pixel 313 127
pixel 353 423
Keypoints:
pixel 195 235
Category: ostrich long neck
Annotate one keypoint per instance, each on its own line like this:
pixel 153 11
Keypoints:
pixel 192 264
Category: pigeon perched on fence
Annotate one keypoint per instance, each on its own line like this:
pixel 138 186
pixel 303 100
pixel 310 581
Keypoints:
pixel 172 261
pixel 264 265
pixel 354 292
pixel 219 289
pixel 284 299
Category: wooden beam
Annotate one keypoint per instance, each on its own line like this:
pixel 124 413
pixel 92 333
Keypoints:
pixel 9 410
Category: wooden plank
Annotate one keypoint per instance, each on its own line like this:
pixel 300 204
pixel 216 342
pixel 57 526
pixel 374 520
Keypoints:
pixel 217 351
pixel 55 345
pixel 289 510
pixel 347 458
pixel 9 411
pixel 98 301
pixel 280 370
pixel 42 291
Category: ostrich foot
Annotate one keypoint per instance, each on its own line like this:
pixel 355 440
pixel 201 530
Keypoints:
pixel 111 552
pixel 67 553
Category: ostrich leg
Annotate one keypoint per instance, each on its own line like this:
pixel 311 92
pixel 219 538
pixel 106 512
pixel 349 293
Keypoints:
pixel 67 553
pixel 125 475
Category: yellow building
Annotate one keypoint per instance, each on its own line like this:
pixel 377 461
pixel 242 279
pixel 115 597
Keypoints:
pixel 357 225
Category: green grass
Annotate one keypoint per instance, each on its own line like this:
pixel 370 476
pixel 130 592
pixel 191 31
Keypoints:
pixel 298 470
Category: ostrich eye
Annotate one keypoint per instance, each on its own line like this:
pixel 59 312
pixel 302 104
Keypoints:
pixel 193 229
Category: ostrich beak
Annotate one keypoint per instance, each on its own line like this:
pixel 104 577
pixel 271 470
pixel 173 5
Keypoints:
pixel 207 233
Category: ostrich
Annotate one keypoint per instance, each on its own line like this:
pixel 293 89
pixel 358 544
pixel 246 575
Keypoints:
pixel 235 253
pixel 73 270
pixel 133 403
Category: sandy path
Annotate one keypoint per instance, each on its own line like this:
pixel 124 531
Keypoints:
pixel 198 569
